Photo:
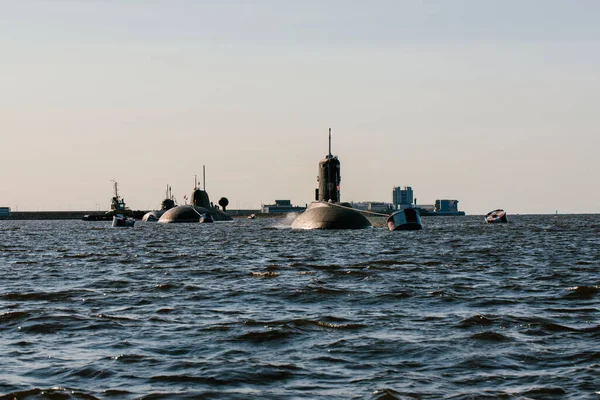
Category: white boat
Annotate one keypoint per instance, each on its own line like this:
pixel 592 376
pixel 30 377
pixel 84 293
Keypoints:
pixel 405 220
pixel 496 216
pixel 252 216
pixel 122 221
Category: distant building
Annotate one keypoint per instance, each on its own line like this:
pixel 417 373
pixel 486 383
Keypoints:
pixel 373 206
pixel 281 206
pixel 441 208
pixel 446 206
pixel 402 198
pixel 425 207
pixel 4 211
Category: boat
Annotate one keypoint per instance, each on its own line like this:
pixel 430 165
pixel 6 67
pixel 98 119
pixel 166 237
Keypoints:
pixel 405 220
pixel 252 216
pixel 121 221
pixel 117 203
pixel 117 207
pixel 496 217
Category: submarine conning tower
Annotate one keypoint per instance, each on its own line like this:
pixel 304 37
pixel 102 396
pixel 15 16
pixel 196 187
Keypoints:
pixel 200 198
pixel 329 178
pixel 168 202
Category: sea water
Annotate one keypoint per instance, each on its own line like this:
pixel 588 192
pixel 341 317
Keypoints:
pixel 252 309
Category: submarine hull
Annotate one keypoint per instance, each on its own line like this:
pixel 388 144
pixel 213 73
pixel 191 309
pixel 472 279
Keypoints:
pixel 181 214
pixel 153 216
pixel 323 215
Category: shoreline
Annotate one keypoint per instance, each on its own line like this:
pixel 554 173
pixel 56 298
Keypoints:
pixel 65 215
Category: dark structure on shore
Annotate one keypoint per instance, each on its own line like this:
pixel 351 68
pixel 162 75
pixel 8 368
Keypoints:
pixel 327 212
pixel 281 206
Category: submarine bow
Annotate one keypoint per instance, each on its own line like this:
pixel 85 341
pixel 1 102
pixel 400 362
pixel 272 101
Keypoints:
pixel 322 215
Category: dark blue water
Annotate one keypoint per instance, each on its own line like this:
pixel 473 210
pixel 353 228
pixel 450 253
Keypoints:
pixel 253 309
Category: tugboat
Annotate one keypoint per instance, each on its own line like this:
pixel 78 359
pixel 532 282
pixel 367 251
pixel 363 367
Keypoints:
pixel 117 207
pixel 327 212
pixel 496 217
pixel 117 203
pixel 405 220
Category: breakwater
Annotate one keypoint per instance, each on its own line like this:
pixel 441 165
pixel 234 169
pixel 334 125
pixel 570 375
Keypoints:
pixel 66 215
pixel 42 215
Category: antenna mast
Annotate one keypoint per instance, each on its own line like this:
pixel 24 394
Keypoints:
pixel 204 176
pixel 116 188
pixel 329 142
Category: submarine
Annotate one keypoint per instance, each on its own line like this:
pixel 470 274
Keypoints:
pixel 165 205
pixel 201 210
pixel 327 212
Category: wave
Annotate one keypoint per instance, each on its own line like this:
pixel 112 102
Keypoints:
pixel 43 296
pixel 582 292
pixel 11 316
pixel 476 320
pixel 490 336
pixel 55 393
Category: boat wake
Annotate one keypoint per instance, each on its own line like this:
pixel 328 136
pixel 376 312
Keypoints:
pixel 286 222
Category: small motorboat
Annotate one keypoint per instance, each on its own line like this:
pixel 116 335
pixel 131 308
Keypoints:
pixel 206 218
pixel 122 221
pixel 252 216
pixel 405 220
pixel 496 217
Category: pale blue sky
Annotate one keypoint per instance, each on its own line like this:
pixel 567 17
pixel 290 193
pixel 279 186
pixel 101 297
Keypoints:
pixel 491 103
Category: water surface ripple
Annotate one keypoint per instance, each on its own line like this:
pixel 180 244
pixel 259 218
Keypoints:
pixel 253 309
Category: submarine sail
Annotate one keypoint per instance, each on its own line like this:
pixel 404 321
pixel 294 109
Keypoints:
pixel 329 177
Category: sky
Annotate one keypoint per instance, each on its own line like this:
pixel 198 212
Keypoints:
pixel 493 103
